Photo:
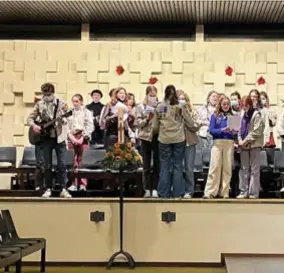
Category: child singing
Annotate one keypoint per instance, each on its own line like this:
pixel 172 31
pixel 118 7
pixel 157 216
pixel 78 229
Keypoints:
pixel 80 128
pixel 220 170
pixel 250 142
pixel 149 141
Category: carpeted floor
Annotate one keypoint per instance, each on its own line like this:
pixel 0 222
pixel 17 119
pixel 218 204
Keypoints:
pixel 124 270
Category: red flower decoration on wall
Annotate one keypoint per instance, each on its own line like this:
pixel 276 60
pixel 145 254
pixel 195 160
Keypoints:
pixel 119 70
pixel 229 71
pixel 36 100
pixel 153 80
pixel 261 80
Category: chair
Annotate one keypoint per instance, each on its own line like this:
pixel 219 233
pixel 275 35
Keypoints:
pixel 206 155
pixel 8 258
pixel 69 159
pixel 279 167
pixel 92 159
pixel 264 166
pixel 278 162
pixel 97 147
pixel 198 162
pixel 11 239
pixel 91 164
pixel 270 155
pixel 26 166
pixel 8 158
pixel 29 158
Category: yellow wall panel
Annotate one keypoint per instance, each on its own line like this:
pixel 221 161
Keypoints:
pixel 81 66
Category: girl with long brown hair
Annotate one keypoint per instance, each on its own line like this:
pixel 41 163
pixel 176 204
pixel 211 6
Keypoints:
pixel 109 118
pixel 220 169
pixel 250 141
pixel 191 141
pixel 149 141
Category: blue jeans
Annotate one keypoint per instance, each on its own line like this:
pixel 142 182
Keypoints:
pixel 171 154
pixel 190 152
pixel 39 165
pixel 49 145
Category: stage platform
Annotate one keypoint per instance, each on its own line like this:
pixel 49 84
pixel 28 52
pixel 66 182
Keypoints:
pixel 203 230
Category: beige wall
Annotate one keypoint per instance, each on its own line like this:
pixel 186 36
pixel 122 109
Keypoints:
pixel 203 229
pixel 80 66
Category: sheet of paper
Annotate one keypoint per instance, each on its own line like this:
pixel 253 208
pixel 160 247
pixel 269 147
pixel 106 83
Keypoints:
pixel 149 109
pixel 234 122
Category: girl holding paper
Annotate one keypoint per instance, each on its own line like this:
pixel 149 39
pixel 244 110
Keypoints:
pixel 220 169
pixel 110 118
pixel 149 141
pixel 250 142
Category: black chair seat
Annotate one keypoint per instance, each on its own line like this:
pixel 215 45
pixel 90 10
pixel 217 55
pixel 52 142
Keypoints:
pixel 22 166
pixel 6 167
pixel 10 248
pixel 90 171
pixel 5 254
pixel 17 244
pixel 31 241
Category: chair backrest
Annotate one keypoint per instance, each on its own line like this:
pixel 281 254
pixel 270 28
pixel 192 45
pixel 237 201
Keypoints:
pixel 7 217
pixel 206 157
pixel 69 159
pixel 29 157
pixel 263 160
pixel 91 159
pixel 8 155
pixel 198 161
pixel 4 233
pixel 270 154
pixel 98 147
pixel 278 161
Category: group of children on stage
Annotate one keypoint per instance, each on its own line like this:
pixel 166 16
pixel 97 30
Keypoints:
pixel 168 132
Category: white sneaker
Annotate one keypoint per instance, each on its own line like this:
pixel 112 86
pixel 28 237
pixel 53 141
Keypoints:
pixel 155 194
pixel 72 188
pixel 65 194
pixel 253 197
pixel 37 188
pixel 82 188
pixel 47 193
pixel 147 194
pixel 242 196
pixel 282 190
pixel 187 196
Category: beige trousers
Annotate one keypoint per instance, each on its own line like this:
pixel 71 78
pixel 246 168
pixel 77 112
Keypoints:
pixel 220 169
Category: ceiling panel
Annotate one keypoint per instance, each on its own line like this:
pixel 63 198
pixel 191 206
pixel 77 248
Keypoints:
pixel 195 12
